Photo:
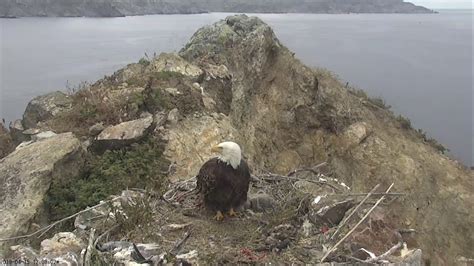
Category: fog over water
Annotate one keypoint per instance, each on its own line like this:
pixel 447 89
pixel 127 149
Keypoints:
pixel 420 64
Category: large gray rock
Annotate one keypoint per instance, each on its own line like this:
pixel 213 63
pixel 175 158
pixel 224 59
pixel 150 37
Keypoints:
pixel 123 134
pixel 45 107
pixel 26 175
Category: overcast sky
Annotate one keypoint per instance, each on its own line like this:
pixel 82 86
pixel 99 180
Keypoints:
pixel 443 3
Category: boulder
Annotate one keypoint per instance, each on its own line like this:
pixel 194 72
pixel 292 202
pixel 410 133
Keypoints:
pixel 123 134
pixel 26 175
pixel 45 107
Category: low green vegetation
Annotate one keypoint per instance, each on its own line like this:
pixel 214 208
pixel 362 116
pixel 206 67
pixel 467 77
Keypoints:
pixel 167 75
pixel 139 166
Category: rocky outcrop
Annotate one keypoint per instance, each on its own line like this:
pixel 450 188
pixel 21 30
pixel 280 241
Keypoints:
pixel 297 117
pixel 26 175
pixel 109 8
pixel 45 107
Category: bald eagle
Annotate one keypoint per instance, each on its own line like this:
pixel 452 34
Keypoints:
pixel 223 181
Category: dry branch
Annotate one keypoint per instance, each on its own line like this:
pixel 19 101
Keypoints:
pixel 355 227
pixel 90 247
pixel 373 194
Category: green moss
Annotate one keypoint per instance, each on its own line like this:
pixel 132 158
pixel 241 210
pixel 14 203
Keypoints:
pixel 138 166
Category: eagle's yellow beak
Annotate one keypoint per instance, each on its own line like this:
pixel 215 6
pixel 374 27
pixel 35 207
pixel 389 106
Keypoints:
pixel 216 149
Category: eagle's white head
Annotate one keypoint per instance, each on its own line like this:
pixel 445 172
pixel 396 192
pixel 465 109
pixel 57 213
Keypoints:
pixel 229 152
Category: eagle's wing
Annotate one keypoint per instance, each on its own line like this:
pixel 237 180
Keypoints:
pixel 241 185
pixel 205 178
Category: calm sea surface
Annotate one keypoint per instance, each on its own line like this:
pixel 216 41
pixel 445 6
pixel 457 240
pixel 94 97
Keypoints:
pixel 420 64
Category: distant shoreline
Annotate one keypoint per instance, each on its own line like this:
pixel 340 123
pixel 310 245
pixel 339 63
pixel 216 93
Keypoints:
pixel 120 8
pixel 251 13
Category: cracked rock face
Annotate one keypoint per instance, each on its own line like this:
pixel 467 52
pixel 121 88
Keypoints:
pixel 26 175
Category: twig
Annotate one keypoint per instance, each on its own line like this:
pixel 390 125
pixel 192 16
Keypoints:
pixel 373 194
pixel 90 247
pixel 178 244
pixel 312 169
pixel 353 211
pixel 355 227
pixel 48 227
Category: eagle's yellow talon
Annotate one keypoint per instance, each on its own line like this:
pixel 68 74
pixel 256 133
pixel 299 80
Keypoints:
pixel 232 213
pixel 219 216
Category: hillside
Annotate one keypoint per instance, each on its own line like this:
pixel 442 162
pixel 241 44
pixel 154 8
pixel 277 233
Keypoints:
pixel 149 127
pixel 114 8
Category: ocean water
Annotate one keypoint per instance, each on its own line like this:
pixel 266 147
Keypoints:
pixel 421 64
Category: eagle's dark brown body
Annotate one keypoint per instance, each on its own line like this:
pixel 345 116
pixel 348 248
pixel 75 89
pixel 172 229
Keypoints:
pixel 223 187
